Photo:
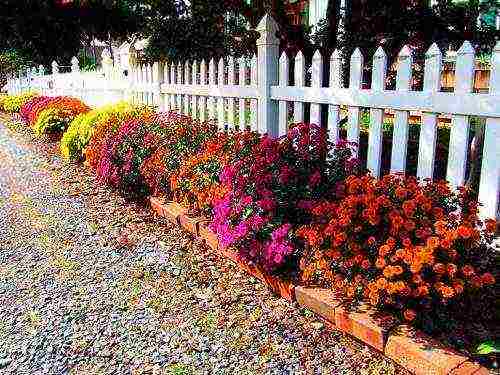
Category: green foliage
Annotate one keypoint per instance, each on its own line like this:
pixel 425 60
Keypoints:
pixel 488 347
pixel 87 63
pixel 11 61
pixel 50 120
pixel 46 30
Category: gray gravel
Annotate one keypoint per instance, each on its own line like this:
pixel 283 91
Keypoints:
pixel 92 284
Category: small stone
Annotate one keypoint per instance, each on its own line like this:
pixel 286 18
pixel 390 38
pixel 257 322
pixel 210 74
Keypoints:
pixel 5 362
pixel 317 325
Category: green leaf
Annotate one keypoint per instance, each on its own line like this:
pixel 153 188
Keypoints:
pixel 488 347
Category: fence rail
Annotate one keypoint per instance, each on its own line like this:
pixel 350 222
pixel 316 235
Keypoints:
pixel 259 93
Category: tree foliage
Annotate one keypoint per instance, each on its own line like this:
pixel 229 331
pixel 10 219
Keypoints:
pixel 46 30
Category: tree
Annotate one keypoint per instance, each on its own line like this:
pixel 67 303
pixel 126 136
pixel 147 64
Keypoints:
pixel 47 30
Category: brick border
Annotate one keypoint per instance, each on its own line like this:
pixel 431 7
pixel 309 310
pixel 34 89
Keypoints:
pixel 410 348
pixel 198 226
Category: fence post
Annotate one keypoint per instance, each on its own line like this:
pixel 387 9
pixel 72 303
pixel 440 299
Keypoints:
pixel 55 70
pixel 268 55
pixel 75 68
pixel 489 184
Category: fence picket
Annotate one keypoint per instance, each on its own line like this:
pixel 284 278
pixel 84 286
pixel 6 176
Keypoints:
pixel 194 98
pixel 300 79
pixel 179 82
pixel 400 131
pixel 355 80
pixel 149 82
pixel 231 80
pixel 144 80
pixel 316 82
pixel 489 184
pixel 459 132
pixel 283 82
pixel 335 82
pixel 428 130
pixel 187 75
pixel 211 82
pixel 166 80
pixel 173 81
pixel 157 80
pixel 253 102
pixel 203 82
pixel 220 99
pixel 242 82
pixel 379 72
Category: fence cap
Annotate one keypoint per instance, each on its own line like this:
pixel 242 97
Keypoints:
pixel 267 28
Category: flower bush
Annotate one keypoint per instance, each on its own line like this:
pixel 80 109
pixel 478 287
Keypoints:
pixel 81 129
pixel 398 243
pixel 28 107
pixel 123 153
pixel 272 189
pixel 196 184
pixel 183 137
pixel 106 128
pixel 13 103
pixel 57 114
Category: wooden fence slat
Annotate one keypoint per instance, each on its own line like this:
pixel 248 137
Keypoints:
pixel 317 82
pixel 283 82
pixel 242 82
pixel 355 80
pixel 376 114
pixel 173 81
pixel 211 81
pixel 187 75
pixel 149 81
pixel 335 82
pixel 300 79
pixel 144 81
pixel 194 81
pixel 459 132
pixel 166 80
pixel 428 130
pixel 400 132
pixel 220 100
pixel 179 82
pixel 203 82
pixel 489 184
pixel 231 80
pixel 253 102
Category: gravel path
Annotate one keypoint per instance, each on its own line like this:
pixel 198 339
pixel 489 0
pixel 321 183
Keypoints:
pixel 91 284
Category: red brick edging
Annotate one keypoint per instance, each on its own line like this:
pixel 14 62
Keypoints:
pixel 199 227
pixel 410 348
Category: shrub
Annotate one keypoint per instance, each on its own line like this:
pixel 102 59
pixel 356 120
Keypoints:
pixel 106 128
pixel 81 129
pixel 123 153
pixel 196 183
pixel 183 137
pixel 271 190
pixel 398 243
pixel 54 116
pixel 28 107
pixel 13 103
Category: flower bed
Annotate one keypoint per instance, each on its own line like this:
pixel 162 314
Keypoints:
pixel 48 115
pixel 301 210
pixel 13 103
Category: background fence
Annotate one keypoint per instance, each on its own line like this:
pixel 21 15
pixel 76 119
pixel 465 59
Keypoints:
pixel 261 93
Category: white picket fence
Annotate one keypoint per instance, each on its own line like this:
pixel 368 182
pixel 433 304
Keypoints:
pixel 230 87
